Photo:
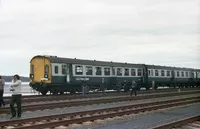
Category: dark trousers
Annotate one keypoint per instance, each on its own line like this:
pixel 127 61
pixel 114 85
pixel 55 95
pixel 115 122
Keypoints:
pixel 134 90
pixel 16 99
pixel 2 103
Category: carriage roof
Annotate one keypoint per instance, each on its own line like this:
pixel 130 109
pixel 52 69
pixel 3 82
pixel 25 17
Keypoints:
pixel 55 59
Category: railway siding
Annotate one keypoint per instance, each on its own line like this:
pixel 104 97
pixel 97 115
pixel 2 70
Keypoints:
pixel 44 106
pixel 110 104
pixel 97 114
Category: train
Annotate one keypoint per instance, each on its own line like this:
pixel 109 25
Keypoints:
pixel 59 75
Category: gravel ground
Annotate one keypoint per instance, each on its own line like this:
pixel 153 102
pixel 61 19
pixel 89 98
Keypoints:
pixel 144 120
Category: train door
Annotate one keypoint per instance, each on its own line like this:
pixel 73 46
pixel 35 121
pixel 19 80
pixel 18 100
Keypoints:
pixel 146 77
pixel 198 79
pixel 192 75
pixel 68 73
pixel 173 81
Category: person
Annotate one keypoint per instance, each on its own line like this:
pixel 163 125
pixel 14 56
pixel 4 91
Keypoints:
pixel 126 87
pixel 16 96
pixel 118 85
pixel 102 86
pixel 134 88
pixel 2 83
pixel 84 87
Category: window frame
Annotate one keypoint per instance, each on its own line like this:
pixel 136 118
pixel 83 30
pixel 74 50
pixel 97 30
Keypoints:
pixel 152 72
pixel 163 73
pixel 156 72
pixel 56 69
pixel 149 72
pixel 32 69
pixel 113 71
pixel 187 74
pixel 78 69
pixel 120 71
pixel 177 74
pixel 139 72
pixel 182 74
pixel 64 69
pixel 96 70
pixel 107 71
pixel 133 72
pixel 46 69
pixel 88 70
pixel 125 72
pixel 168 73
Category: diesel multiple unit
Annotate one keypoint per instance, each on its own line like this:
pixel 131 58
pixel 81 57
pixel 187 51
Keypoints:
pixel 59 75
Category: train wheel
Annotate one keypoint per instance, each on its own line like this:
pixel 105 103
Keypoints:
pixel 61 93
pixel 138 88
pixel 55 92
pixel 156 87
pixel 147 88
pixel 44 92
pixel 72 91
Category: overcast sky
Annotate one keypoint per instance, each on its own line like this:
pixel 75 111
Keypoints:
pixel 160 32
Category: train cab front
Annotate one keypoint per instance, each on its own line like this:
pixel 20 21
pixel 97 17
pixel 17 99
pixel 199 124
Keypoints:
pixel 37 85
pixel 40 73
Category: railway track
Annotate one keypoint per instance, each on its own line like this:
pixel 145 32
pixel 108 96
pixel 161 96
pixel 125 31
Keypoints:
pixel 192 122
pixel 64 98
pixel 54 121
pixel 44 106
pixel 37 98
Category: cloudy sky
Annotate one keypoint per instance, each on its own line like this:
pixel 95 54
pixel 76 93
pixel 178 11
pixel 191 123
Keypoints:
pixel 160 32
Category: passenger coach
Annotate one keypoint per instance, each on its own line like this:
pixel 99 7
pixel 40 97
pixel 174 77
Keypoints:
pixel 59 75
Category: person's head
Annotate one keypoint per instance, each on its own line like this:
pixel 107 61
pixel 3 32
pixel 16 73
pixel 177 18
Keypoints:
pixel 16 77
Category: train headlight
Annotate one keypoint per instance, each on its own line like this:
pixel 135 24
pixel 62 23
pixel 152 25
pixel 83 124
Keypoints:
pixel 31 75
pixel 46 76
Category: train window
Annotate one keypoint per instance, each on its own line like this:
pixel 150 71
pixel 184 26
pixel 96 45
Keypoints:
pixel 46 69
pixel 106 71
pixel 198 74
pixel 162 73
pixel 133 72
pixel 64 68
pixel 126 73
pixel 56 69
pixel 178 74
pixel 182 74
pixel 32 69
pixel 149 72
pixel 139 72
pixel 88 70
pixel 79 70
pixel 168 73
pixel 173 73
pixel 119 71
pixel 113 71
pixel 186 73
pixel 156 73
pixel 192 75
pixel 152 73
pixel 98 71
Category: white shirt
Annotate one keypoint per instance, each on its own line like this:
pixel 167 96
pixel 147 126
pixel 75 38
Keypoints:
pixel 16 86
